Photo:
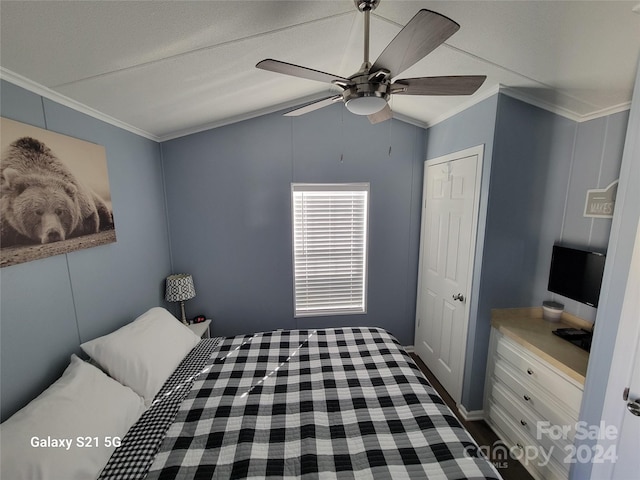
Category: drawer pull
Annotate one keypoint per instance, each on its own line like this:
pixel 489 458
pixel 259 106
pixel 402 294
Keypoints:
pixel 529 371
pixel 523 423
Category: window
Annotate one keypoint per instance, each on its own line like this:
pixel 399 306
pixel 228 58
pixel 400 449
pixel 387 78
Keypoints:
pixel 330 248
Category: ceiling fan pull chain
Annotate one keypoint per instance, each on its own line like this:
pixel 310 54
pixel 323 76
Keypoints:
pixel 389 131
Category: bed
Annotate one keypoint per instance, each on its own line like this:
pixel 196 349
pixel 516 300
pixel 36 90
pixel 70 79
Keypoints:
pixel 324 403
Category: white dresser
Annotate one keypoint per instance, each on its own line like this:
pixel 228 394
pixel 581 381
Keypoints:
pixel 533 390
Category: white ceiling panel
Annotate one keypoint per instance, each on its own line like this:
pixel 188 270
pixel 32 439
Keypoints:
pixel 168 67
pixel 204 87
pixel 80 39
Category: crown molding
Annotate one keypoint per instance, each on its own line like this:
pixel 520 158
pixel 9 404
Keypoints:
pixel 563 112
pixel 45 92
pixel 623 107
pixel 246 116
pixel 511 92
pixel 410 120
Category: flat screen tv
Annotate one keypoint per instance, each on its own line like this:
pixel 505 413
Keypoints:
pixel 576 274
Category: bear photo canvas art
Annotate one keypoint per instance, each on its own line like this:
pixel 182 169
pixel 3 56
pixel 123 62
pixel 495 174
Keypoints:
pixel 54 194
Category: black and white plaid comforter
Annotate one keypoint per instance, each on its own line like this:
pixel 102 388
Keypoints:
pixel 334 403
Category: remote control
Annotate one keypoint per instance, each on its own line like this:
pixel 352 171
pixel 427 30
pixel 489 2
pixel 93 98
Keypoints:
pixel 570 332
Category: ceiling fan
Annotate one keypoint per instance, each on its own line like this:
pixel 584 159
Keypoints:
pixel 367 91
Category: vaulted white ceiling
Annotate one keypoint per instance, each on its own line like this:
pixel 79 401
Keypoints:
pixel 167 68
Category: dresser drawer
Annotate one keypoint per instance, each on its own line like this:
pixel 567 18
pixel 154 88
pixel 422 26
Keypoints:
pixel 528 423
pixel 532 397
pixel 524 448
pixel 531 371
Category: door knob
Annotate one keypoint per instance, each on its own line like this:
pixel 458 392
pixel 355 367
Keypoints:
pixel 634 407
pixel 458 296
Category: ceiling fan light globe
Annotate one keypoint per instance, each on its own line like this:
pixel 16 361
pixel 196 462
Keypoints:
pixel 365 105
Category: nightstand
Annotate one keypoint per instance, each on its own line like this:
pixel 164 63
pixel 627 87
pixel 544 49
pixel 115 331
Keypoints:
pixel 201 329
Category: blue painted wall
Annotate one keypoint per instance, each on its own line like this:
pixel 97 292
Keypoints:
pixel 543 166
pixel 537 169
pixel 529 173
pixel 474 126
pixel 595 163
pixel 229 208
pixel 50 306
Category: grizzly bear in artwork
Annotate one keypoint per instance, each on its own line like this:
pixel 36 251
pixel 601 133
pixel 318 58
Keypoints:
pixel 41 201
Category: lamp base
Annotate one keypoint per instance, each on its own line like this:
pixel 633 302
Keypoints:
pixel 184 317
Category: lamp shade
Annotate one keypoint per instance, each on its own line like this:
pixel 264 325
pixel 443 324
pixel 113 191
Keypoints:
pixel 180 288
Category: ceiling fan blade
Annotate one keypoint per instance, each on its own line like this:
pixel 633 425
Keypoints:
pixel 453 85
pixel 302 72
pixel 313 106
pixel 424 32
pixel 381 116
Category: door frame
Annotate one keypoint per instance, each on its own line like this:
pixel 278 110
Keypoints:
pixel 478 150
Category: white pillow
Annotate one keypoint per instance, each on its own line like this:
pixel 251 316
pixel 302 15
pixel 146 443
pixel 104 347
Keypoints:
pixel 83 404
pixel 142 354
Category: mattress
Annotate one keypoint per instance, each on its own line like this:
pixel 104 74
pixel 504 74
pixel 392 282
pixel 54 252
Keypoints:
pixel 326 403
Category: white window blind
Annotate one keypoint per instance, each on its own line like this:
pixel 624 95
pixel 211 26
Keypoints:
pixel 330 248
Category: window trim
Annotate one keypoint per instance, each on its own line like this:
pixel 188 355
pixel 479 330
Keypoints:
pixel 348 187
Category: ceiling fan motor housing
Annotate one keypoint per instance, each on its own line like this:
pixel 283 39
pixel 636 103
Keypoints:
pixel 365 97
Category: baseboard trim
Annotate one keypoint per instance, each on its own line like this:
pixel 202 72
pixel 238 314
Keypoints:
pixel 470 416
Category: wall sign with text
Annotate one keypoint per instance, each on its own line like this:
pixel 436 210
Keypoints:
pixel 600 202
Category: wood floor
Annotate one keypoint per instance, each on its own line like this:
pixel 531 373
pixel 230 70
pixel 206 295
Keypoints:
pixel 480 431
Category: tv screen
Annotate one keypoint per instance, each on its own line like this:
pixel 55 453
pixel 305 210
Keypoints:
pixel 576 274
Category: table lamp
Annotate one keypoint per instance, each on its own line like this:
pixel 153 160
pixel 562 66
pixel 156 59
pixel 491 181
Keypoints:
pixel 179 289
